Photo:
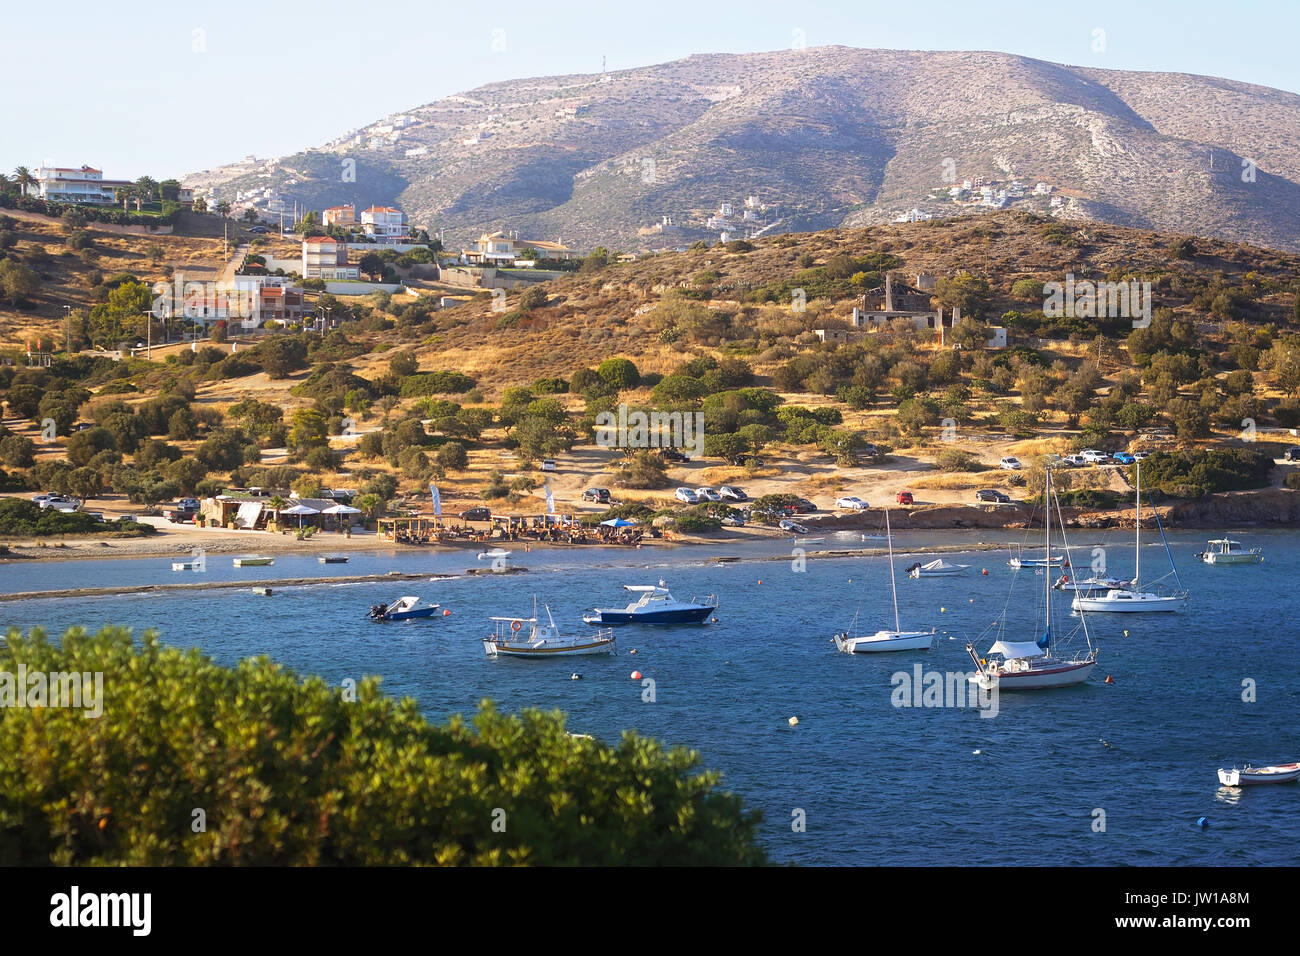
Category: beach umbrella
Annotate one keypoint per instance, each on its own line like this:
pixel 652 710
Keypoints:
pixel 618 523
pixel 341 510
pixel 300 510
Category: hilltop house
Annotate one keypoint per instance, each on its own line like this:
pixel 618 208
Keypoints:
pixel 385 224
pixel 326 258
pixel 497 248
pixel 84 185
pixel 345 216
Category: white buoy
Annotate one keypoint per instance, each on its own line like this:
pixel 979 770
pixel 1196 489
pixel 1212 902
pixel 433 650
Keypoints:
pixel 793 721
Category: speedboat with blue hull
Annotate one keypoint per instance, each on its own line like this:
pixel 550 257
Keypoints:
pixel 654 606
pixel 403 609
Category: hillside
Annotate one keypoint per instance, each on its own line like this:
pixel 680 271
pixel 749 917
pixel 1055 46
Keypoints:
pixel 820 138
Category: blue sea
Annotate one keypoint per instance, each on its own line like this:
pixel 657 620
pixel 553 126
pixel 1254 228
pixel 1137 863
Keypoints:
pixel 1106 773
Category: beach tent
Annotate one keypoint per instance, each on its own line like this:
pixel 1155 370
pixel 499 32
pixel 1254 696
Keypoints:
pixel 618 523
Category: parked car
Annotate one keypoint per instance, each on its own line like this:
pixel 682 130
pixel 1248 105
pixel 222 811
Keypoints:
pixel 1292 454
pixel 598 495
pixel 477 514
pixel 672 454
pixel 733 521
pixel 745 461
pixel 905 498
pixel 189 503
pixel 260 230
pixel 993 495
pixel 1011 464
pixel 1144 455
pixel 58 502
pixel 1094 456
pixel 851 503
pixel 869 450
pixel 732 493
pixel 803 506
pixel 548 464
pixel 1074 461
pixel 687 496
pixel 707 494
pixel 1123 457
pixel 180 515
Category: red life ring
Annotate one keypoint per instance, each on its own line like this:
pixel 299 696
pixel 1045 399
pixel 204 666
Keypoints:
pixel 516 625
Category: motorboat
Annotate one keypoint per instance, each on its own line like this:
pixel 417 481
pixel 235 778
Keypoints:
pixel 403 609
pixel 494 554
pixel 1035 664
pixel 186 565
pixel 333 559
pixel 1249 776
pixel 1224 551
pixel 528 637
pixel 885 640
pixel 1055 561
pixel 935 569
pixel 253 561
pixel 655 605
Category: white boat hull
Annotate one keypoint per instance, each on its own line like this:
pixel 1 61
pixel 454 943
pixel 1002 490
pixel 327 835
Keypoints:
pixel 1246 558
pixel 1058 674
pixel 883 641
pixel 1251 777
pixel 545 649
pixel 1135 602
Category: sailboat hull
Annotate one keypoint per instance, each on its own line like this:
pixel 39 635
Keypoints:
pixel 1134 602
pixel 883 641
pixel 1056 674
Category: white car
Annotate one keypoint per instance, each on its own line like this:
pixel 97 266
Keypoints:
pixel 687 496
pixel 1075 461
pixel 548 464
pixel 851 503
pixel 1094 456
pixel 1141 455
pixel 707 494
pixel 1010 464
pixel 733 493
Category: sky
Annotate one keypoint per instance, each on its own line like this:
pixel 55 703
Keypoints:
pixel 167 88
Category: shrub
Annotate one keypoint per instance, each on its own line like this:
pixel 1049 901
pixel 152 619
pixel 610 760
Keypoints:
pixel 295 772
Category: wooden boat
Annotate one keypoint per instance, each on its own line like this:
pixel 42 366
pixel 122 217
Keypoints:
pixel 253 561
pixel 1249 776
pixel 527 637
pixel 403 609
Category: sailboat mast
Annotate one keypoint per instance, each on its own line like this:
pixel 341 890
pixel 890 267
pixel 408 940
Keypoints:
pixel 893 588
pixel 1047 554
pixel 1137 529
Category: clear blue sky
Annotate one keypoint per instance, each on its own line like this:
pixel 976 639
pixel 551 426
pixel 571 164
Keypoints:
pixel 133 88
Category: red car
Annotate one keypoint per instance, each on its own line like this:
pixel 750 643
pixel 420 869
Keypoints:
pixel 905 498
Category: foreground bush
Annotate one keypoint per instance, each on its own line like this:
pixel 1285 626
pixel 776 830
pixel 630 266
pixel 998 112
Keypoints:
pixel 290 772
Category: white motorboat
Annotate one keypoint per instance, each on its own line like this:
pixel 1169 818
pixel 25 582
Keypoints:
pixel 1249 776
pixel 883 640
pixel 495 554
pixel 1034 665
pixel 654 606
pixel 935 569
pixel 1055 561
pixel 407 608
pixel 527 637
pixel 253 561
pixel 1224 551
pixel 1133 599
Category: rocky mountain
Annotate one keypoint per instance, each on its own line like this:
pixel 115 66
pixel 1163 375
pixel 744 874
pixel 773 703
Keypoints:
pixel 820 137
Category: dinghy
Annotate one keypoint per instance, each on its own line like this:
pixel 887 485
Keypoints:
pixel 1249 776
pixel 935 569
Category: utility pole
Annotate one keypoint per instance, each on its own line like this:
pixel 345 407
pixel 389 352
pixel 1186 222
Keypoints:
pixel 67 330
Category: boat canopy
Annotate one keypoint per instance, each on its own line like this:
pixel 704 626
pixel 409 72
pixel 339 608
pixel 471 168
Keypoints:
pixel 645 588
pixel 938 565
pixel 1010 650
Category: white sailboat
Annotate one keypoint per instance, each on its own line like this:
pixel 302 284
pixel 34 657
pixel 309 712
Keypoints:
pixel 1032 665
pixel 883 640
pixel 1133 599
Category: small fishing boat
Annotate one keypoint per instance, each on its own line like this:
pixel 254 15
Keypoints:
pixel 1224 551
pixel 1249 776
pixel 333 559
pixel 253 561
pixel 495 554
pixel 1055 561
pixel 886 640
pixel 527 637
pixel 936 569
pixel 654 606
pixel 403 609
pixel 185 565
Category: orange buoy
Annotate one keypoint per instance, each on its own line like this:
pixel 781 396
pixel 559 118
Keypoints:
pixel 1109 679
pixel 446 612
pixel 636 675
pixel 985 572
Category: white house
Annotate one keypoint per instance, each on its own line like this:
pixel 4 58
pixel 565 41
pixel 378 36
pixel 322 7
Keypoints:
pixel 326 258
pixel 385 224
pixel 83 185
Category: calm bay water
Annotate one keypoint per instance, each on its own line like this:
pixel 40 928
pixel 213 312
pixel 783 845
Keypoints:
pixel 878 784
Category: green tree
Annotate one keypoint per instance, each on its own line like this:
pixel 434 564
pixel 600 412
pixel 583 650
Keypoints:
pixel 619 373
pixel 17 282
